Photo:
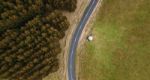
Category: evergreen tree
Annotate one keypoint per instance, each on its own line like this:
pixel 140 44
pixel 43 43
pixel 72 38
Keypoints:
pixel 30 31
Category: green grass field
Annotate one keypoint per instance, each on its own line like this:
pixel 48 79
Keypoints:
pixel 121 46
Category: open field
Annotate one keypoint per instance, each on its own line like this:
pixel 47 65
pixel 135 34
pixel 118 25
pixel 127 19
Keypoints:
pixel 120 50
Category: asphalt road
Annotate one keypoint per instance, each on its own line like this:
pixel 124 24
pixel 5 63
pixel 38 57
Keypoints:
pixel 76 37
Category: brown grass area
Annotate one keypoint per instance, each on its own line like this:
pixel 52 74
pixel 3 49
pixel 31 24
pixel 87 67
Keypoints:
pixel 120 50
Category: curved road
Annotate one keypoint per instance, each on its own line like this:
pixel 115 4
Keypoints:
pixel 76 37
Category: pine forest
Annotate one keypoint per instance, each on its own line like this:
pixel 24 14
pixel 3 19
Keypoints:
pixel 30 34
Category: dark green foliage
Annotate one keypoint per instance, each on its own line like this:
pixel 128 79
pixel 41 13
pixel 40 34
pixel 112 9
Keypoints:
pixel 30 31
pixel 69 5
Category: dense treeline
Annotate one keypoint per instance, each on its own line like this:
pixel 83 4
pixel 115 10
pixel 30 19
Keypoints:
pixel 69 5
pixel 30 31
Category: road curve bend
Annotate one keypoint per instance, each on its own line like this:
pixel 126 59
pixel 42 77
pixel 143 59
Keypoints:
pixel 76 36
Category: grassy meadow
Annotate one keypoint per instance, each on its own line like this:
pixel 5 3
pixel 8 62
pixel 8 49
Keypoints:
pixel 121 46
